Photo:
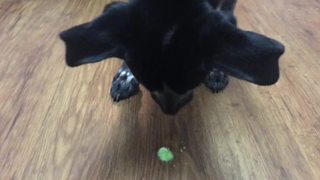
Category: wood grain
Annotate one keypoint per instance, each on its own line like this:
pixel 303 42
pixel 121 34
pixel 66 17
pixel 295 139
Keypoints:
pixel 59 123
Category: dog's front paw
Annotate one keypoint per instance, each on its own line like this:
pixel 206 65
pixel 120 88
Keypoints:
pixel 124 85
pixel 216 81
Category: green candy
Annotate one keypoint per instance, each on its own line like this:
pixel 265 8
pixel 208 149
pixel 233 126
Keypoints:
pixel 165 155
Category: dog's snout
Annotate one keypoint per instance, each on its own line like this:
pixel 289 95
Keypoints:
pixel 171 103
pixel 169 109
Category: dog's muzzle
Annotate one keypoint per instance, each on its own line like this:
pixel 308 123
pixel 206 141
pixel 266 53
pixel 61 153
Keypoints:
pixel 171 102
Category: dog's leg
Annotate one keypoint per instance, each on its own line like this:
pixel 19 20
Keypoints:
pixel 216 81
pixel 224 5
pixel 124 84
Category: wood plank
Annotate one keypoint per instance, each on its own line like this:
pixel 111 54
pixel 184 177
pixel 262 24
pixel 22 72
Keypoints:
pixel 60 123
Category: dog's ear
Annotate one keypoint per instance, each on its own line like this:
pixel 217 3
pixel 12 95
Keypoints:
pixel 100 39
pixel 243 54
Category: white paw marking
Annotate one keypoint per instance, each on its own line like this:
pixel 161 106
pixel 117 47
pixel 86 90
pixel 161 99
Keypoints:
pixel 127 74
pixel 123 73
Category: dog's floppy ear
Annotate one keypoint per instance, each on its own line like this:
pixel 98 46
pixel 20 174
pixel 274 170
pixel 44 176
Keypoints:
pixel 97 40
pixel 245 55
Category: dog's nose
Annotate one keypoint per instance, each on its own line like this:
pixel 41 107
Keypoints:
pixel 171 103
pixel 169 110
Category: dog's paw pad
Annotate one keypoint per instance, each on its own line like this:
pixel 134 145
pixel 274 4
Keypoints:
pixel 216 81
pixel 124 85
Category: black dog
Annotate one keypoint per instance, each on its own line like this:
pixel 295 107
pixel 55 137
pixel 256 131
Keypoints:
pixel 172 46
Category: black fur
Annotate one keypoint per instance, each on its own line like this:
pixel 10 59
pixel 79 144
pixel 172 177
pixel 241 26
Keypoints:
pixel 175 43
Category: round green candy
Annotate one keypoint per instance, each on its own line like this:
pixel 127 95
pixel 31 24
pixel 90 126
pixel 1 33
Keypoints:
pixel 165 155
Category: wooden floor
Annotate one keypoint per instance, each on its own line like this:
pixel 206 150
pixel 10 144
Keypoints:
pixel 59 123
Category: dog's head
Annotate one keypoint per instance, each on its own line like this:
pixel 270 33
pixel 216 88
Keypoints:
pixel 172 56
